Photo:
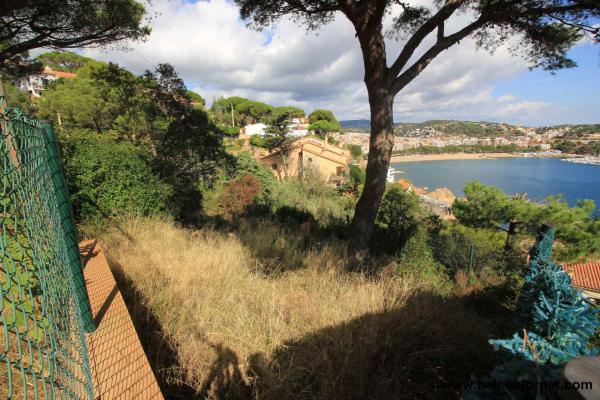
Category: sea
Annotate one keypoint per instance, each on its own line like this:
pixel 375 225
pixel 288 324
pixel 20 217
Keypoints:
pixel 538 177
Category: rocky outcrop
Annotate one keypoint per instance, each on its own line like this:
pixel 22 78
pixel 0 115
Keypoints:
pixel 443 195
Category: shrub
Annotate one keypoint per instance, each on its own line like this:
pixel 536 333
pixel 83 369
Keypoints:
pixel 107 178
pixel 258 141
pixel 452 248
pixel 398 216
pixel 357 176
pixel 238 195
pixel 326 206
pixel 231 130
pixel 355 150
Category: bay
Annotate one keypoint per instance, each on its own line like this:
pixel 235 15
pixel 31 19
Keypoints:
pixel 538 177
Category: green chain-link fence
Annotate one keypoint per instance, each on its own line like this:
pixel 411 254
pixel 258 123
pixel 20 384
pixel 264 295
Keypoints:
pixel 45 309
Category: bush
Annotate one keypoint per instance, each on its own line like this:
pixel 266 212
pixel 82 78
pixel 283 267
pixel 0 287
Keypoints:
pixel 231 130
pixel 357 176
pixel 326 206
pixel 452 247
pixel 258 141
pixel 355 150
pixel 398 216
pixel 107 178
pixel 238 195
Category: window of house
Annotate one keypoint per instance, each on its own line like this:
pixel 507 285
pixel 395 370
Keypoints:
pixel 339 170
pixel 274 166
pixel 309 159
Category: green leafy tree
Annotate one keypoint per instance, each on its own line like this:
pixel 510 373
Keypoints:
pixel 224 110
pixel 484 206
pixel 196 99
pixel 277 134
pixel 357 176
pixel 293 112
pixel 253 111
pixel 127 101
pixel 355 150
pixel 31 24
pixel 399 215
pixel 107 178
pixel 546 31
pixel 323 128
pixel 80 103
pixel 189 147
pixel 322 115
pixel 63 61
pixel 16 97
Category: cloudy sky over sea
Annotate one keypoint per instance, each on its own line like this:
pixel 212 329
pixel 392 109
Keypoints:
pixel 216 54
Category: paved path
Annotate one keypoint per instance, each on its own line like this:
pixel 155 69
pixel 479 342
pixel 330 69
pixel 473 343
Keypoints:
pixel 120 369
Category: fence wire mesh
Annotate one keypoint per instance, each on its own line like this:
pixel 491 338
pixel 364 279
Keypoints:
pixel 44 309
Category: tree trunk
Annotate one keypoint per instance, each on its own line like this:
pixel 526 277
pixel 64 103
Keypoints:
pixel 381 144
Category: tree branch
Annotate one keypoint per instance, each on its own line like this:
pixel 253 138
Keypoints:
pixel 417 38
pixel 411 73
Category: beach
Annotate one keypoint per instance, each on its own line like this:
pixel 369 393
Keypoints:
pixel 451 156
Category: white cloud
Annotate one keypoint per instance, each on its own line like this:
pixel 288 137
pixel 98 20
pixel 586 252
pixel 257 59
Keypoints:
pixel 217 54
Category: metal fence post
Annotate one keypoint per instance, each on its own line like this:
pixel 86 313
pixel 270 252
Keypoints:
pixel 471 250
pixel 68 224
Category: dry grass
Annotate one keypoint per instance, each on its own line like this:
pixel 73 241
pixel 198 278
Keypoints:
pixel 259 314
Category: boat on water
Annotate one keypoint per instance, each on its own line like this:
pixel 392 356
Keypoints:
pixel 390 175
pixel 591 160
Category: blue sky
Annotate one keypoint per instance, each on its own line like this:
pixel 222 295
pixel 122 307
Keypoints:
pixel 217 55
pixel 576 89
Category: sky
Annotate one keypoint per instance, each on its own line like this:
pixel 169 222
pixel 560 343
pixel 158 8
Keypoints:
pixel 218 55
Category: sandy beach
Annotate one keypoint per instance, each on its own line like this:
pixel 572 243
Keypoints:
pixel 451 156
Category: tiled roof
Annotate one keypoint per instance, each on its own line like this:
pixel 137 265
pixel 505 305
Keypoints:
pixel 61 74
pixel 585 275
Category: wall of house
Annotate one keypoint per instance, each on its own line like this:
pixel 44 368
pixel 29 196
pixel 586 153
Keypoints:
pixel 327 160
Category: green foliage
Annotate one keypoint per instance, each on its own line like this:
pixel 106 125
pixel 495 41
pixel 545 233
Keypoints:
pixel 231 131
pixel 576 228
pixel 245 164
pixel 107 178
pixel 156 114
pixel 568 146
pixel 293 112
pixel 355 150
pixel 321 202
pixel 357 176
pixel 195 98
pixel 253 111
pixel 16 98
pixel 455 244
pixel 68 24
pixel 277 130
pixel 258 141
pixel 399 215
pixel 484 206
pixel 323 115
pixel 324 128
pixel 80 103
pixel 63 61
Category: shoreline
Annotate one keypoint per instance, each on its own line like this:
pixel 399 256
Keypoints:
pixel 452 156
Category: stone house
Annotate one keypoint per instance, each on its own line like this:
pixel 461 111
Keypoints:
pixel 309 154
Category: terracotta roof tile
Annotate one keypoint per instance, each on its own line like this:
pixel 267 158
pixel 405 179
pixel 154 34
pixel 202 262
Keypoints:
pixel 585 275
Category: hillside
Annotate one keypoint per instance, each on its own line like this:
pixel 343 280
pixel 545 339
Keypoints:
pixel 475 128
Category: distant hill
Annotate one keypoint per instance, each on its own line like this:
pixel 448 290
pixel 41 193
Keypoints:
pixel 356 124
pixel 473 128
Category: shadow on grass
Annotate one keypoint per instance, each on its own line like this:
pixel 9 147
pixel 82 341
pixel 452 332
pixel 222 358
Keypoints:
pixel 425 349
pixel 161 353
